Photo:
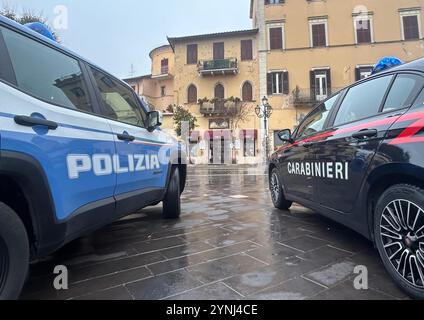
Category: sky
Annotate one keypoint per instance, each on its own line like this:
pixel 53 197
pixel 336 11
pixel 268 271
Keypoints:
pixel 115 34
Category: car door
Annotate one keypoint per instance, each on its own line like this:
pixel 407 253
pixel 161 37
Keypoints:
pixel 358 127
pixel 48 112
pixel 138 164
pixel 297 160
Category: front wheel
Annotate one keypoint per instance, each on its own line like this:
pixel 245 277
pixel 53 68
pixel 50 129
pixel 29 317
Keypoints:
pixel 399 236
pixel 277 194
pixel 14 254
pixel 172 201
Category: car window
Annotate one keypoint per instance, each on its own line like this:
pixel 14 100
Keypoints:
pixel 403 92
pixel 47 73
pixel 315 121
pixel 119 102
pixel 363 100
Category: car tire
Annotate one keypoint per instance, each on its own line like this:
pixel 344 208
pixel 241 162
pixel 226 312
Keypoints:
pixel 399 236
pixel 172 200
pixel 14 254
pixel 277 193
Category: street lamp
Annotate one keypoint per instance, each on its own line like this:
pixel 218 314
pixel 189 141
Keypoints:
pixel 264 112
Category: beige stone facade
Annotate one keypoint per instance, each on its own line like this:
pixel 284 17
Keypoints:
pixel 320 63
pixel 302 51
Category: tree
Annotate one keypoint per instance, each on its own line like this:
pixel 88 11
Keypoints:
pixel 182 115
pixel 27 16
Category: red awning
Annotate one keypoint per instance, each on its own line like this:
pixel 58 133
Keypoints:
pixel 249 134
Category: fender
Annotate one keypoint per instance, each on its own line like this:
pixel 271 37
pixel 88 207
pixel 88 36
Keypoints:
pixel 377 174
pixel 30 176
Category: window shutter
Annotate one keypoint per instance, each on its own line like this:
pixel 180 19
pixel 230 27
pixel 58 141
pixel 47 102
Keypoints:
pixel 246 50
pixel 312 83
pixel 218 51
pixel 247 92
pixel 357 74
pixel 192 94
pixel 328 82
pixel 192 54
pixel 269 84
pixel 276 38
pixel 318 35
pixel 410 27
pixel 285 82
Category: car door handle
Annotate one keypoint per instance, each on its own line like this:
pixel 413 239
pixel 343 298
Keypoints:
pixel 125 137
pixel 308 144
pixel 365 134
pixel 32 122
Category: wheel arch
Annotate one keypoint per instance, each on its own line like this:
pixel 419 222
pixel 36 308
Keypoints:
pixel 30 182
pixel 385 177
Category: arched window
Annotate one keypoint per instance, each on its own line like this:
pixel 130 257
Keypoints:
pixel 247 92
pixel 219 91
pixel 192 94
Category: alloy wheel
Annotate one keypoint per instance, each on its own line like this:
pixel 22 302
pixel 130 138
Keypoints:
pixel 4 263
pixel 275 187
pixel 402 235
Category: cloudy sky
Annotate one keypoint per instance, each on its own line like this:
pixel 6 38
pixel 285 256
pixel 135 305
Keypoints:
pixel 117 33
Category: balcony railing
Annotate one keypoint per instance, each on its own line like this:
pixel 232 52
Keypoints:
pixel 220 107
pixel 301 97
pixel 216 67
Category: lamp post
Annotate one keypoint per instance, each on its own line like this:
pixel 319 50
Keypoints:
pixel 264 112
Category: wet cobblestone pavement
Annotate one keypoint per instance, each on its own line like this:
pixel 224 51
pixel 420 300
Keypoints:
pixel 230 243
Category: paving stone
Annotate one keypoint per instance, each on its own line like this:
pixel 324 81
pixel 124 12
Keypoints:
pixel 296 289
pixel 216 291
pixel 224 268
pixel 346 291
pixel 225 246
pixel 162 286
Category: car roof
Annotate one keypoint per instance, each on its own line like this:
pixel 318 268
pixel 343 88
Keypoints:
pixel 17 26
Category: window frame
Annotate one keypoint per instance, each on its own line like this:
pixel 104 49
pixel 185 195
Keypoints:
pixel 371 27
pixel 88 67
pixel 326 122
pixel 318 21
pixel 396 75
pixel 409 13
pixel 188 61
pixel 81 63
pixel 192 86
pixel 276 25
pixel 247 82
pixel 383 101
pixel 243 56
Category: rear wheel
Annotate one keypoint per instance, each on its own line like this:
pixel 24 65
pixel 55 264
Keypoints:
pixel 14 254
pixel 399 236
pixel 172 201
pixel 277 194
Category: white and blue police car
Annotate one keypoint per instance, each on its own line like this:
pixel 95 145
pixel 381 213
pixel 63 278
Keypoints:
pixel 78 150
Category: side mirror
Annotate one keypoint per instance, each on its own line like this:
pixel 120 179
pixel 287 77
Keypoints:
pixel 154 120
pixel 285 136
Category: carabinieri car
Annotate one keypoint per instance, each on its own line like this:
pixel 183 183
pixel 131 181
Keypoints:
pixel 78 150
pixel 358 158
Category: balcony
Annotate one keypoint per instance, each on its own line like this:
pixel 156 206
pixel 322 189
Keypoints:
pixel 220 107
pixel 164 74
pixel 218 67
pixel 311 97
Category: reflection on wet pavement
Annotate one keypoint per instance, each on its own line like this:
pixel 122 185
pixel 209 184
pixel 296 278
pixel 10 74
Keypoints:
pixel 230 243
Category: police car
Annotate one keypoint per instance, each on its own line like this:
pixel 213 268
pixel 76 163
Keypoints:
pixel 78 150
pixel 358 158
